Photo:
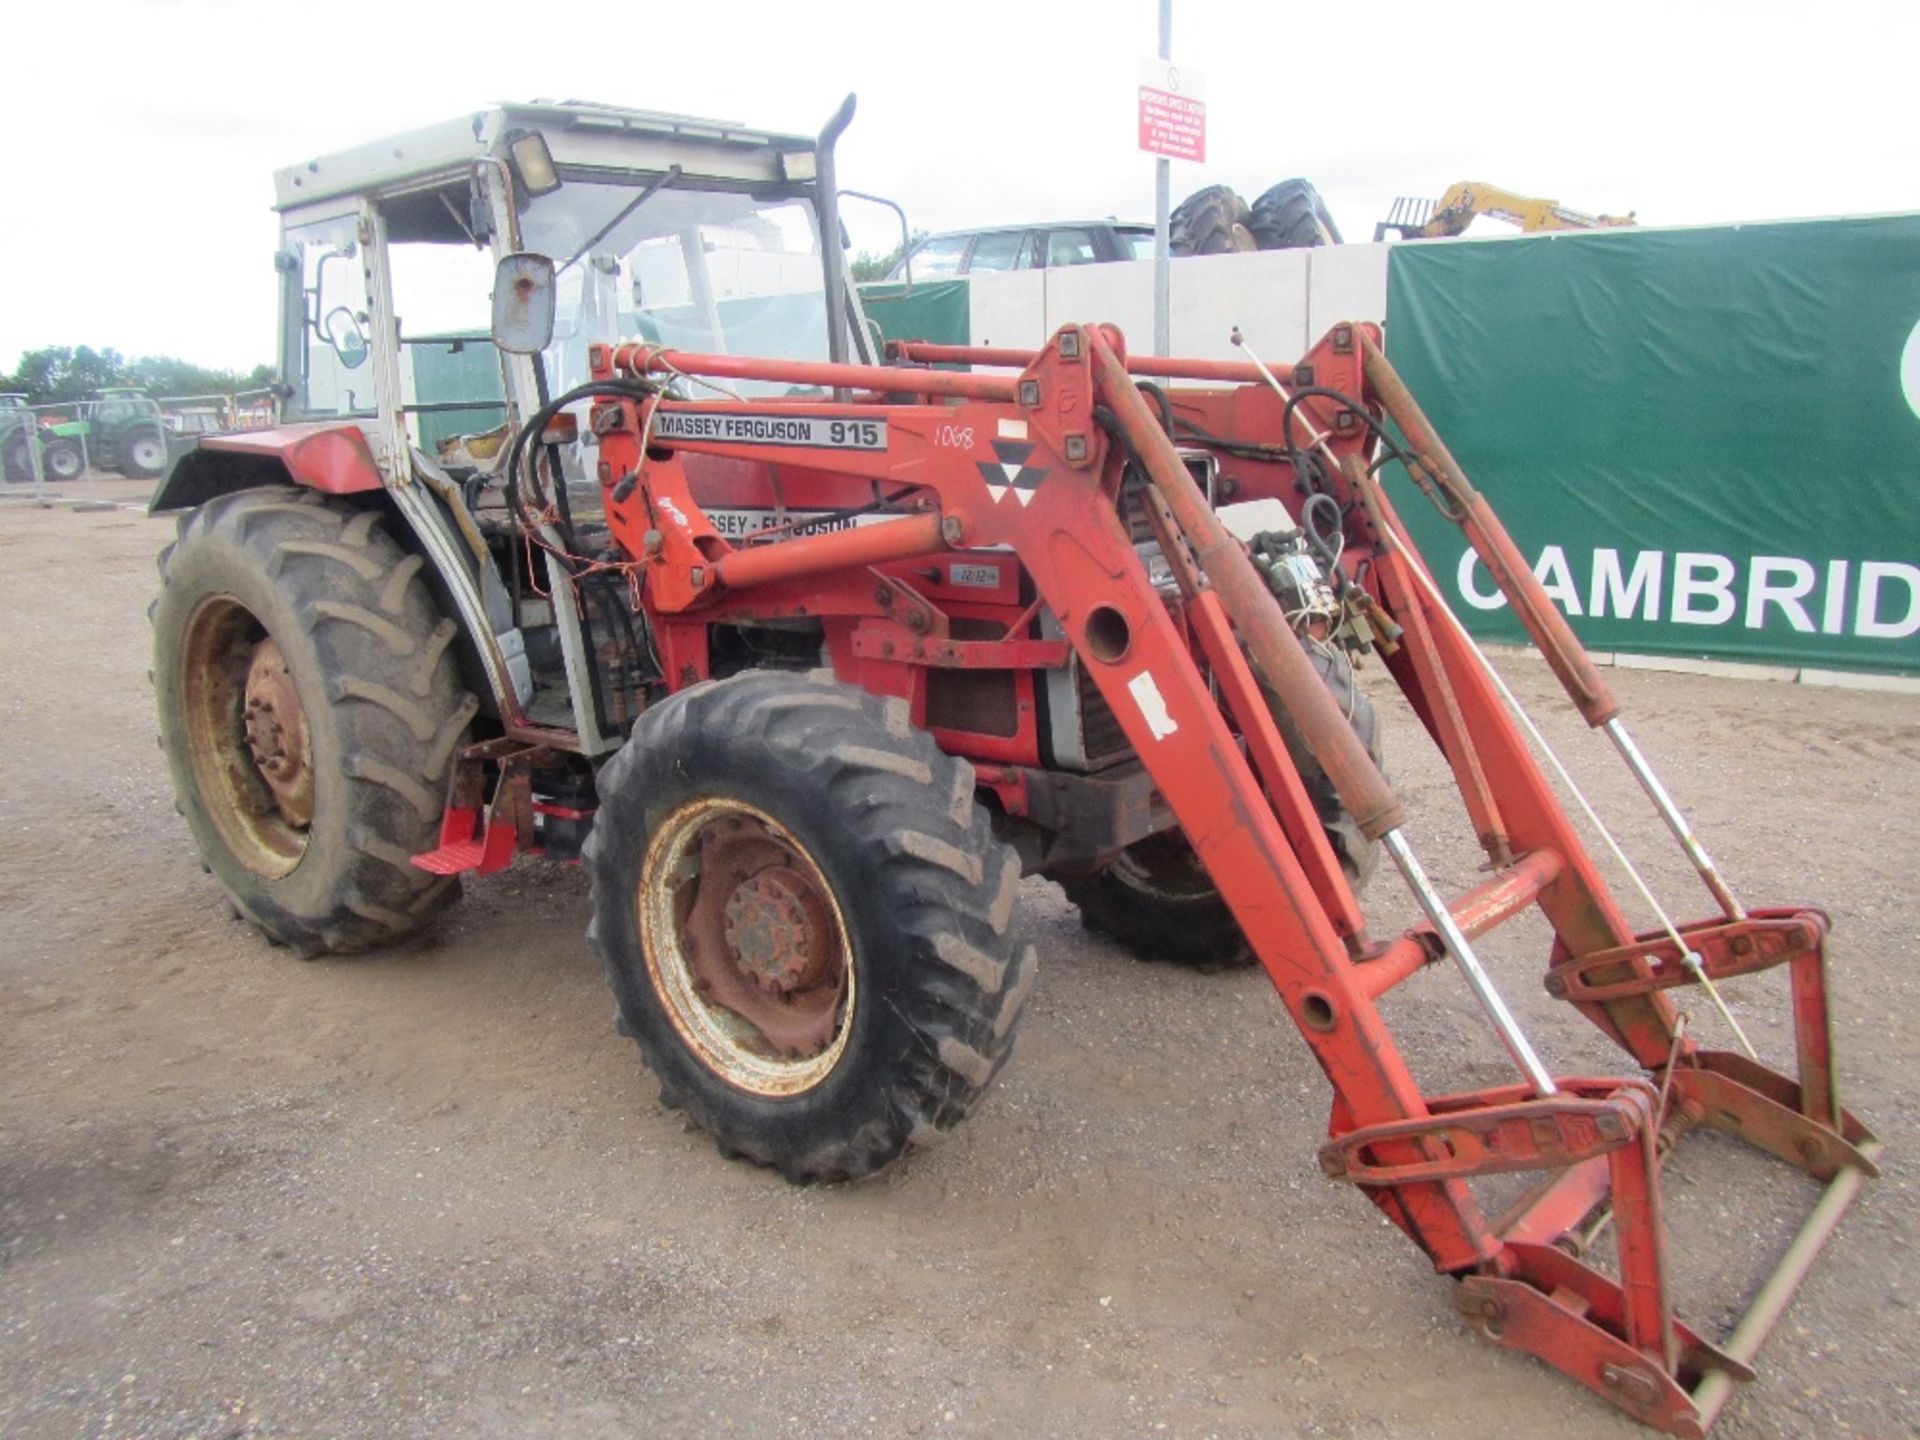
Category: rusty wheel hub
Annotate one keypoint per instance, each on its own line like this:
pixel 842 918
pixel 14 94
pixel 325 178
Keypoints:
pixel 246 736
pixel 778 931
pixel 276 734
pixel 744 943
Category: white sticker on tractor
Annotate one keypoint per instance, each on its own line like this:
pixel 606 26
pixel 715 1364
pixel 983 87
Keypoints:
pixel 1153 705
pixel 1013 429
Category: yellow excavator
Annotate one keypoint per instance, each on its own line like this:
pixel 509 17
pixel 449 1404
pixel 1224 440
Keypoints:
pixel 1416 219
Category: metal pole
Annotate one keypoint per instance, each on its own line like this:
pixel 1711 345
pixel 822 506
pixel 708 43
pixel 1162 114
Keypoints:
pixel 1162 218
pixel 1676 822
pixel 34 466
pixel 1712 1393
pixel 1441 918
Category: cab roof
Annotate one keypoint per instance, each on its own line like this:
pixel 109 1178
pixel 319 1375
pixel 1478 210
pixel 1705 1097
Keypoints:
pixel 582 135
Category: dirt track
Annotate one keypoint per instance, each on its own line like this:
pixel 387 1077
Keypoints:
pixel 430 1192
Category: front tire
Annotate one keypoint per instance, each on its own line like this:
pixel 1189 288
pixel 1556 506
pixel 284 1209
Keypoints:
pixel 310 706
pixel 1157 901
pixel 63 461
pixel 809 929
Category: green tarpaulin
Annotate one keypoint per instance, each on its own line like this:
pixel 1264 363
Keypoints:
pixel 934 310
pixel 1698 437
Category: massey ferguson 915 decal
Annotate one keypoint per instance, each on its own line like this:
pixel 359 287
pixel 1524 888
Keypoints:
pixel 812 431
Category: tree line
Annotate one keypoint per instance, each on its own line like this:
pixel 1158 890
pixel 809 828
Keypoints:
pixel 55 374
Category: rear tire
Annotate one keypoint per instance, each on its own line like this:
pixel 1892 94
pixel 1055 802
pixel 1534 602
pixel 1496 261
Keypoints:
pixel 851 983
pixel 310 706
pixel 143 454
pixel 1213 221
pixel 1292 216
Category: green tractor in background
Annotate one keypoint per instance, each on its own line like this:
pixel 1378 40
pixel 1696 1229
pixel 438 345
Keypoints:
pixel 122 429
pixel 61 457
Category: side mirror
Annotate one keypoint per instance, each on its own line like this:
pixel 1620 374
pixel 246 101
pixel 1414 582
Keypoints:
pixel 523 304
pixel 341 330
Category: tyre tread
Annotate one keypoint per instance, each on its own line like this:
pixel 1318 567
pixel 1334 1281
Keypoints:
pixel 395 693
pixel 961 997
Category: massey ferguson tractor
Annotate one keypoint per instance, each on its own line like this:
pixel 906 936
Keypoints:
pixel 814 648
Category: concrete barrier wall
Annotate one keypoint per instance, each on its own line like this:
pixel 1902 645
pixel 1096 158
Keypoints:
pixel 1282 299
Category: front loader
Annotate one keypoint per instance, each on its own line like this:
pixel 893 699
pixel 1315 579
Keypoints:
pixel 813 654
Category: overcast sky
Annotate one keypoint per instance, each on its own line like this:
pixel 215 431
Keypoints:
pixel 142 148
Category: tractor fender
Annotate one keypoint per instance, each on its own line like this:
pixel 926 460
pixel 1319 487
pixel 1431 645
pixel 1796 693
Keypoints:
pixel 335 459
pixel 332 458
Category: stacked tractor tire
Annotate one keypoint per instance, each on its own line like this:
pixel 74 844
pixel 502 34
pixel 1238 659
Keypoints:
pixel 1217 221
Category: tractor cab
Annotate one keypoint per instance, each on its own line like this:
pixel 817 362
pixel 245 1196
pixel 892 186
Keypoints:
pixel 699 234
pixel 645 227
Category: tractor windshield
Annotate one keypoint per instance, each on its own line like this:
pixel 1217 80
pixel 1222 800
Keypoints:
pixel 703 270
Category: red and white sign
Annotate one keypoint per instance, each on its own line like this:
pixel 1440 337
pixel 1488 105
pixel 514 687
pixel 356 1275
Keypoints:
pixel 1173 111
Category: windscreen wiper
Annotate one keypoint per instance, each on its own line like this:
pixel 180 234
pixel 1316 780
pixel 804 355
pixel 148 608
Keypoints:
pixel 673 174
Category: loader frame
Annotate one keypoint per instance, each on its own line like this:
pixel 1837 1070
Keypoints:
pixel 1029 454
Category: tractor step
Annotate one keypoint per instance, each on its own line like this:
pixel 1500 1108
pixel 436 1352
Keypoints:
pixel 483 828
pixel 454 859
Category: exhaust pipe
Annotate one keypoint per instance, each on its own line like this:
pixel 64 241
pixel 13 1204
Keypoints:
pixel 827 184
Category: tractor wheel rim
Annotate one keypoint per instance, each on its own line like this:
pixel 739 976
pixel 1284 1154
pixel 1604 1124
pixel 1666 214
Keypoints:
pixel 149 453
pixel 247 737
pixel 746 947
pixel 276 734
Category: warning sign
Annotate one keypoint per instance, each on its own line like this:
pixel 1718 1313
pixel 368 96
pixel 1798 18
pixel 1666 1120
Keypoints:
pixel 1173 111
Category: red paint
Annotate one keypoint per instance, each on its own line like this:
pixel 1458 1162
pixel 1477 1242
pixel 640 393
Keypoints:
pixel 331 458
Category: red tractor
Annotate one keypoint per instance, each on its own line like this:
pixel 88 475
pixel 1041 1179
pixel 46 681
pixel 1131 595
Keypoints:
pixel 813 655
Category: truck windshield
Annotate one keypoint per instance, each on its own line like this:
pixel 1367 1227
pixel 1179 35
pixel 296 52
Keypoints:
pixel 704 270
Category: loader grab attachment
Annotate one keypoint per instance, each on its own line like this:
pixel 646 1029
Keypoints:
pixel 1052 462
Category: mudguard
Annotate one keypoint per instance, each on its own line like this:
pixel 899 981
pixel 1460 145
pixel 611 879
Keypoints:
pixel 334 458
pixel 331 457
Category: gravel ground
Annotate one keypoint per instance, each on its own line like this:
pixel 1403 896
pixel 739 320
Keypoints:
pixel 430 1192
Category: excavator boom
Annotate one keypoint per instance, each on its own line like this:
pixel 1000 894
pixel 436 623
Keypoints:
pixel 1416 219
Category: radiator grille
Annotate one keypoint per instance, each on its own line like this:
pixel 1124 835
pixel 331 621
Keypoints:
pixel 1102 739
